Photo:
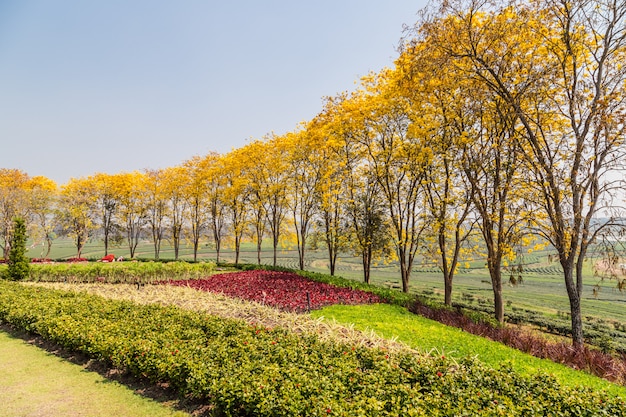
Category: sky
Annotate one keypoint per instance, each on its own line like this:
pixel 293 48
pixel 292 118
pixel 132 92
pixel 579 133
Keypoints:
pixel 123 85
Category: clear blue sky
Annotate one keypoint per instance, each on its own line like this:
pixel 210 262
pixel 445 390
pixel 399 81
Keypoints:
pixel 119 85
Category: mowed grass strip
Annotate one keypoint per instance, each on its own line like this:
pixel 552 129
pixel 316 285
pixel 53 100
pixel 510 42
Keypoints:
pixel 430 336
pixel 34 382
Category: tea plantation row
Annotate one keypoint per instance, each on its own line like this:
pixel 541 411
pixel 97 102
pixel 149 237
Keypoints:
pixel 243 370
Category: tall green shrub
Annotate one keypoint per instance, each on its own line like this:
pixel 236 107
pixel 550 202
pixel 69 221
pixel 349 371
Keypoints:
pixel 19 264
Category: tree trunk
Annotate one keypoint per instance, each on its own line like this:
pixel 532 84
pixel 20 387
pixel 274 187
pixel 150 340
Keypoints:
pixel 156 238
pixel 259 227
pixel 196 243
pixel 156 250
pixel 577 323
pixel 275 226
pixel 573 294
pixel 79 246
pixel 301 247
pixel 237 248
pixel 218 241
pixel 367 261
pixel 405 278
pixel 448 288
pixel 106 222
pixel 48 245
pixel 496 283
pixel 134 241
pixel 448 273
pixel 497 298
pixel 176 239
pixel 301 259
pixel 106 242
pixel 405 270
pixel 494 262
pixel 332 258
pixel 275 247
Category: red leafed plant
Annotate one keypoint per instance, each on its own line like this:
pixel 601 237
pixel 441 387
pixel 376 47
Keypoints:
pixel 41 260
pixel 109 258
pixel 77 260
pixel 283 290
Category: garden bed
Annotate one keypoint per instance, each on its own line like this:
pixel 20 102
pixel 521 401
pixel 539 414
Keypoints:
pixel 283 290
pixel 250 370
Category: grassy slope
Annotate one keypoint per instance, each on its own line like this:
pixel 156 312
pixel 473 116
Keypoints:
pixel 36 383
pixel 427 335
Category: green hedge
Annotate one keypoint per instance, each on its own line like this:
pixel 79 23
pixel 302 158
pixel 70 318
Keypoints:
pixel 243 370
pixel 118 272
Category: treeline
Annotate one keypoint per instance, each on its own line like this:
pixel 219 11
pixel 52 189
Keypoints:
pixel 500 121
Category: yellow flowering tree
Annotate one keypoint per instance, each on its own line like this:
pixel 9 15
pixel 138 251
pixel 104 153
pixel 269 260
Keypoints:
pixel 13 203
pixel 76 211
pixel 556 67
pixel 43 194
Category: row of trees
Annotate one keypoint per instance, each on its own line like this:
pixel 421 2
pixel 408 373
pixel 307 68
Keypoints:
pixel 537 106
pixel 500 121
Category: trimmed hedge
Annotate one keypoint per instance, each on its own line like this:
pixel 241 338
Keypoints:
pixel 244 371
pixel 118 272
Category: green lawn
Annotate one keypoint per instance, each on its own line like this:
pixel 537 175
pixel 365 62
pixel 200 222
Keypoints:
pixel 430 336
pixel 34 382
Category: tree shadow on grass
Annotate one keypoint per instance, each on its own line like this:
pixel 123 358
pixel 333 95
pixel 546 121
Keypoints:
pixel 161 392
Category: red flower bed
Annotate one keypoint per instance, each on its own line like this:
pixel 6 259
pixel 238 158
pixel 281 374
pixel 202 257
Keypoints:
pixel 41 260
pixel 283 290
pixel 77 260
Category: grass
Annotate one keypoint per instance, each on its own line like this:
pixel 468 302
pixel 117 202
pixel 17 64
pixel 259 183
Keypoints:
pixel 428 336
pixel 34 382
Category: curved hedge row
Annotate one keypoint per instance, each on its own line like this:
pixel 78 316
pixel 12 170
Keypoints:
pixel 244 371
